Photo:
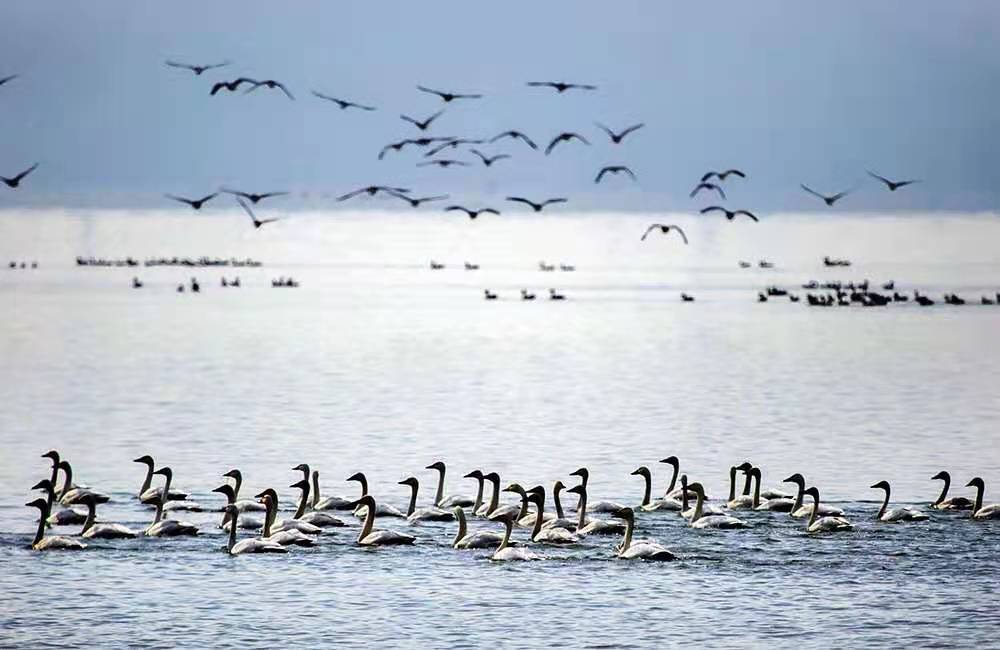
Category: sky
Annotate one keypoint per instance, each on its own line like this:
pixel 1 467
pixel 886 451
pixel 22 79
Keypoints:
pixel 790 92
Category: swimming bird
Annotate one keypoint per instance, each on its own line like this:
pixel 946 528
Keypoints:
pixel 316 518
pixel 648 503
pixel 231 86
pixel 672 492
pixel 369 536
pixel 828 524
pixel 599 506
pixel 722 175
pixel 257 223
pixel 505 552
pixel 565 136
pixel 593 526
pixel 646 549
pixel 558 519
pixel 489 160
pixel 415 202
pixel 64 516
pixel 944 502
pixel 548 534
pixel 243 520
pixel 251 544
pixel 480 539
pixel 494 506
pixel 447 97
pixel 342 103
pixel 472 214
pixel 197 69
pixel 146 493
pixel 194 203
pixel 774 500
pixel 979 511
pixel 829 200
pixel 560 86
pixel 524 518
pixel 537 207
pixel 664 228
pixel 272 84
pixel 800 510
pixel 328 503
pixel 15 181
pixel 687 511
pixel 618 137
pixel 480 484
pixel 707 186
pixel 444 163
pixel 422 124
pixel 514 135
pixel 730 214
pixel 614 169
pixel 294 534
pixel 252 197
pixel 430 513
pixel 555 295
pixel 439 498
pixel 102 531
pixel 384 509
pixel 56 542
pixel 896 514
pixel 700 519
pixel 72 494
pixel 892 185
pixel 8 78
pixel 372 190
pixel 526 295
pixel 167 527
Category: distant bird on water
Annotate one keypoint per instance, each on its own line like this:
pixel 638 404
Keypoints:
pixel 618 137
pixel 372 190
pixel 489 160
pixel 422 125
pixel 515 135
pixel 472 214
pixel 707 186
pixel 664 228
pixel 254 198
pixel 559 86
pixel 16 180
pixel 342 103
pixel 231 86
pixel 537 207
pixel 197 69
pixel 722 175
pixel 257 223
pixel 892 185
pixel 614 169
pixel 730 214
pixel 272 84
pixel 8 78
pixel 565 136
pixel 829 200
pixel 415 202
pixel 444 163
pixel 447 97
pixel 194 203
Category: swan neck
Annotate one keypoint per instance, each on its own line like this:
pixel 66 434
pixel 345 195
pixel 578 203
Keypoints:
pixel 439 495
pixel 756 489
pixel 369 522
pixel 315 492
pixel 364 485
pixel 647 493
pixel 539 516
pixel 303 502
pixel 508 529
pixel 462 527
pixel 159 512
pixel 557 503
pixel 413 500
pixel 68 483
pixel 799 496
pixel 944 491
pixel 166 487
pixel 525 507
pixel 700 500
pixel 747 480
pixel 145 482
pixel 91 516
pixel 629 527
pixel 269 514
pixel 479 495
pixel 236 488
pixel 979 499
pixel 885 504
pixel 581 510
pixel 43 516
pixel 673 479
pixel 232 532
pixel 494 498
pixel 732 483
pixel 815 512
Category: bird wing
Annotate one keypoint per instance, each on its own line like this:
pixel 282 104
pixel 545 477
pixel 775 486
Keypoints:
pixel 714 208
pixel 431 91
pixel 267 195
pixel 536 84
pixel 681 232
pixel 905 183
pixel 344 197
pixel 579 137
pixel 697 188
pixel 734 172
pixel 284 90
pixel 261 222
pixel 453 208
pixel 629 172
pixel 362 106
pixel 719 190
pixel 649 230
pixel 583 86
pixel 747 213
pixel 600 174
pixel 881 178
pixel 207 198
pixel 634 127
pixel 518 199
pixel 442 197
pixel 26 172
pixel 479 153
pixel 469 96
pixel 812 191
pixel 707 176
pixel 246 208
pixel 409 119
pixel 438 149
pixel 610 133
pixel 552 145
pixel 550 201
pixel 178 198
pixel 430 119
pixel 235 192
pixel 326 97
pixel 175 64
pixel 400 196
pixel 236 83
pixel 212 66
pixel 491 211
pixel 840 195
pixel 217 86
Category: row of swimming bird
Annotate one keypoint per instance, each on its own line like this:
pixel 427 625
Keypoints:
pixel 313 512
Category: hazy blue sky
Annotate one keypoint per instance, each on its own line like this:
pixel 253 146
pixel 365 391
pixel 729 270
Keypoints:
pixel 792 91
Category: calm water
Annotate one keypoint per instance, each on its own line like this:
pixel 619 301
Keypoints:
pixel 378 364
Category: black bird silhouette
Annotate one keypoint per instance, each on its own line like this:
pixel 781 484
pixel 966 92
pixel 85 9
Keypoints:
pixel 730 214
pixel 447 97
pixel 10 78
pixel 15 181
pixel 272 84
pixel 707 186
pixel 415 203
pixel 257 223
pixel 537 207
pixel 487 160
pixel 194 203
pixel 393 146
pixel 664 228
pixel 829 200
pixel 231 86
pixel 614 169
pixel 892 185
pixel 452 143
pixel 422 125
pixel 566 136
pixel 342 103
pixel 253 198
pixel 515 135
pixel 618 137
pixel 560 87
pixel 197 69
pixel 722 175
pixel 372 190
pixel 471 213
pixel 444 163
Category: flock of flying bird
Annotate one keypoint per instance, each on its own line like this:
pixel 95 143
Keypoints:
pixel 314 514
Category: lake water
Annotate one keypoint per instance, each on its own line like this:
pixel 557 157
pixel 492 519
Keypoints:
pixel 378 364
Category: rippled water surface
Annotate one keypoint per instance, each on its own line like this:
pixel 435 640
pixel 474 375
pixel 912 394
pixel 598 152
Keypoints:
pixel 377 364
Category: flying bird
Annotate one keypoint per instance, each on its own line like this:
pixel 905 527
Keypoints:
pixel 393 146
pixel 272 84
pixel 15 181
pixel 471 213
pixel 231 86
pixel 197 69
pixel 444 163
pixel 614 169
pixel 730 214
pixel 618 137
pixel 342 103
pixel 194 203
pixel 487 160
pixel 707 186
pixel 415 203
pixel 566 136
pixel 257 223
pixel 664 228
pixel 892 185
pixel 253 198
pixel 723 175
pixel 422 125
pixel 559 86
pixel 372 190
pixel 537 207
pixel 452 143
pixel 9 78
pixel 447 97
pixel 829 200
pixel 515 135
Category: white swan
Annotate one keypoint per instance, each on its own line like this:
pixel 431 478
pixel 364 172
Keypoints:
pixel 42 543
pixel 243 505
pixel 647 503
pixel 979 511
pixel 672 491
pixel 599 506
pixel 558 519
pixel 328 503
pixel 479 539
pixel 439 499
pixel 430 513
pixel 687 512
pixel 743 501
pixel 321 519
pixel 381 537
pixel 772 504
pixel 72 494
pixel 551 534
pixel 102 531
pixel 167 527
pixel 290 536
pixel 594 526
pixel 642 550
pixel 63 517
pixel 175 504
pixel 493 506
pixel 383 510
pixel 944 502
pixel 830 524
pixel 896 514
pixel 525 518
pixel 505 552
pixel 243 520
pixel 801 510
pixel 279 525
pixel 147 493
pixel 701 520
pixel 250 545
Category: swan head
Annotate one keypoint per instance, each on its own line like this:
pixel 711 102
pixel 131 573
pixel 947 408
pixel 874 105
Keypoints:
pixel 577 489
pixel 357 476
pixel 367 500
pixel 536 497
pixel 492 477
pixel 641 471
pixel 156 501
pixel 302 485
pixel 226 490
pixel 52 455
pixel 165 471
pixel 411 481
pixel 231 510
pixel 44 484
pixel 476 474
pixel 673 461
pixel 557 487
pixel 269 493
pixel 145 460
pixel 813 492
pixel 301 467
pixel 438 465
pixel 65 466
pixel 538 489
pixel 583 473
pixel 506 517
pixel 976 483
pixel 459 513
pixel 41 504
pixel 684 482
pixel 234 474
pixel 754 472
pixel 88 499
pixel 884 485
pixel 796 478
pixel 696 488
pixel 941 476
pixel 516 487
pixel 745 466
pixel 624 513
